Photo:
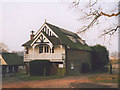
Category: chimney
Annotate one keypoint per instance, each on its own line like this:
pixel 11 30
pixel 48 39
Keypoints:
pixel 32 35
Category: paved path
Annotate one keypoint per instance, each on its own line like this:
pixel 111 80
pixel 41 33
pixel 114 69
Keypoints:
pixel 66 82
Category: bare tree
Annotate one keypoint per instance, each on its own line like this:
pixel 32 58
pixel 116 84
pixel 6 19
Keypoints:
pixel 4 47
pixel 93 11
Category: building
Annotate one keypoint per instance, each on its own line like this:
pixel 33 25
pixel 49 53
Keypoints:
pixel 10 62
pixel 61 47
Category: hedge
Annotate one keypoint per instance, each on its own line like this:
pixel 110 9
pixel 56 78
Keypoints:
pixel 40 68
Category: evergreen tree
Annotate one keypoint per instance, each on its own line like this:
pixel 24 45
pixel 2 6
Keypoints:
pixel 100 58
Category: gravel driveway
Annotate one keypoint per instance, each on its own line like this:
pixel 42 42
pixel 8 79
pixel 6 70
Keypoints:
pixel 65 82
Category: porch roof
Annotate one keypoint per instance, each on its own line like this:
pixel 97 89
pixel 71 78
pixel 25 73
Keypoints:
pixel 28 43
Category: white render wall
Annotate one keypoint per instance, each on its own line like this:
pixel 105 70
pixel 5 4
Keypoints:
pixel 2 62
pixel 59 51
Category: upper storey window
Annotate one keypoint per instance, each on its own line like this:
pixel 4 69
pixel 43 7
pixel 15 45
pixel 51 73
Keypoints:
pixel 46 49
pixel 40 49
pixel 52 49
pixel 26 50
pixel 48 31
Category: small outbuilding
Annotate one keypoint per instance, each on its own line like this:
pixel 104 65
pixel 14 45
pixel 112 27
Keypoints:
pixel 10 63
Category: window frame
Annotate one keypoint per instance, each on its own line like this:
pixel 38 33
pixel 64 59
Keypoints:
pixel 26 50
pixel 40 49
pixel 47 49
pixel 53 50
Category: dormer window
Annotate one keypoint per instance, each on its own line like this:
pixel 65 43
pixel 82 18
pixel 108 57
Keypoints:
pixel 72 38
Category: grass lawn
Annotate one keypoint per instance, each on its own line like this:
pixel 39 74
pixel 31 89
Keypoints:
pixel 23 76
pixel 20 74
pixel 105 78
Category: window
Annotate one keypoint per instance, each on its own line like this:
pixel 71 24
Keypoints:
pixel 41 49
pixel 46 49
pixel 52 49
pixel 72 38
pixel 72 67
pixel 26 50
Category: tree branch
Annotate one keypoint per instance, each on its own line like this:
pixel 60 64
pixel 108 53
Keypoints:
pixel 110 32
pixel 90 25
pixel 108 15
pixel 90 5
pixel 95 19
pixel 76 3
pixel 91 13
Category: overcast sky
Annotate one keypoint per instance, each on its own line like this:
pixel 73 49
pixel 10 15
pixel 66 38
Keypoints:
pixel 18 19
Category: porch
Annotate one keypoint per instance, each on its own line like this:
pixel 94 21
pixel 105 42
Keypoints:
pixel 45 52
pixel 47 56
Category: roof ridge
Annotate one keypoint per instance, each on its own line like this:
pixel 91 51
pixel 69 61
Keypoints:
pixel 65 31
pixel 64 39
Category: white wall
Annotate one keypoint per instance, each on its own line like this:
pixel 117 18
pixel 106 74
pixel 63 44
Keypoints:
pixel 57 55
pixel 2 61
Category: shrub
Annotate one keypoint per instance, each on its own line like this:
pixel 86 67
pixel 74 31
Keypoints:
pixel 40 68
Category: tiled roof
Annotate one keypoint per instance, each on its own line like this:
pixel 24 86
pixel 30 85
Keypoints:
pixel 28 43
pixel 12 59
pixel 62 38
pixel 62 33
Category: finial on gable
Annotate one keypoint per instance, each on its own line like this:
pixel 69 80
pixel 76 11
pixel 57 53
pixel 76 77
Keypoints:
pixel 45 20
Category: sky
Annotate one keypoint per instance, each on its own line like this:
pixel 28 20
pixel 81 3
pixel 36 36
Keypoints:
pixel 17 19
